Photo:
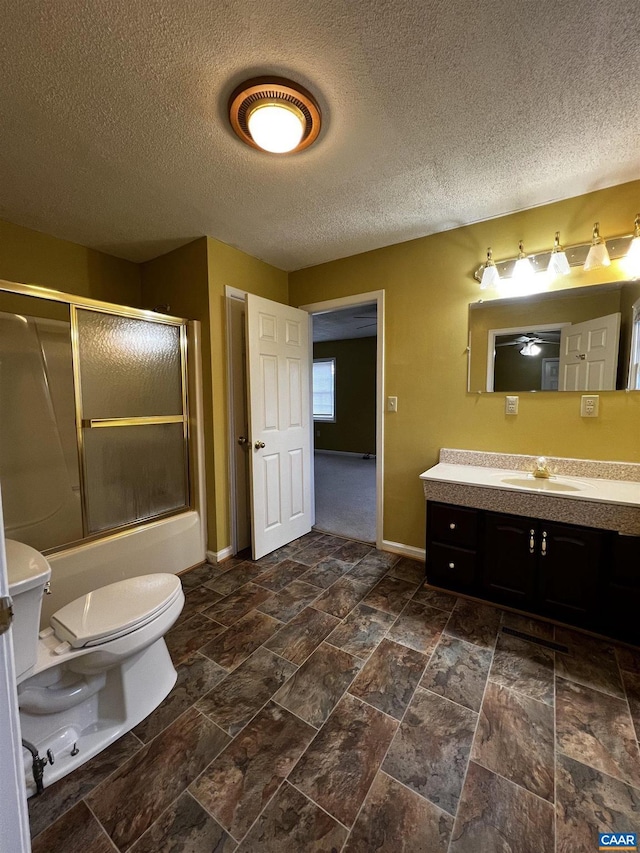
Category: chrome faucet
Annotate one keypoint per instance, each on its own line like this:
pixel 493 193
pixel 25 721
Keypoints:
pixel 541 471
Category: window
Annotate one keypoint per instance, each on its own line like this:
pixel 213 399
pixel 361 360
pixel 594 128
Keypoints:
pixel 324 389
pixel 634 362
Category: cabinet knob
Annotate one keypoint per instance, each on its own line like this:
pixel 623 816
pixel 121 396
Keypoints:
pixel 452 565
pixel 452 526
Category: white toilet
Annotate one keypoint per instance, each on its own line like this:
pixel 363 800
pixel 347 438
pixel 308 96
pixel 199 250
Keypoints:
pixel 99 669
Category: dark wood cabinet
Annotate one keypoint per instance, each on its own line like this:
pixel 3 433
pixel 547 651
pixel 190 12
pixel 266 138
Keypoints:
pixel 509 559
pixel 568 570
pixel 619 607
pixel 542 566
pixel 453 557
pixel 578 575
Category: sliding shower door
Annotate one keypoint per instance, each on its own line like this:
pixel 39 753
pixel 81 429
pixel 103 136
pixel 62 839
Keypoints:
pixel 93 417
pixel 132 417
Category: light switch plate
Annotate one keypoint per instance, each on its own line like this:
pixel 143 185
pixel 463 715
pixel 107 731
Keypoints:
pixel 392 404
pixel 589 406
pixel 511 405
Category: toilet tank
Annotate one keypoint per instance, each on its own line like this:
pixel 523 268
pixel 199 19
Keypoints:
pixel 28 573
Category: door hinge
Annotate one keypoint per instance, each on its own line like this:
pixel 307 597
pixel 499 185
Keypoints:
pixel 6 613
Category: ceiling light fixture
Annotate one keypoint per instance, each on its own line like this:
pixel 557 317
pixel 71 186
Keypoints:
pixel 558 263
pixel 598 255
pixel 559 260
pixel 490 276
pixel 531 349
pixel 275 115
pixel 631 262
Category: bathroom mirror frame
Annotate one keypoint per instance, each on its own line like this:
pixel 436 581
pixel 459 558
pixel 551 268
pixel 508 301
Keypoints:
pixel 526 313
pixel 79 302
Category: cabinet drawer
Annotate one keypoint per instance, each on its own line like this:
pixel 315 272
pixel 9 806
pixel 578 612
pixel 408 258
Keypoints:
pixel 448 566
pixel 454 525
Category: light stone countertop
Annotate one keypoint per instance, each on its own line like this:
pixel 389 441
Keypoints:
pixel 476 479
pixel 587 488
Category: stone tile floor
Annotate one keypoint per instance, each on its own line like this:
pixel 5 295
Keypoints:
pixel 328 701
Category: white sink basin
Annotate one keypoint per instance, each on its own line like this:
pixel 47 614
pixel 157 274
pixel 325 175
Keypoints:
pixel 555 484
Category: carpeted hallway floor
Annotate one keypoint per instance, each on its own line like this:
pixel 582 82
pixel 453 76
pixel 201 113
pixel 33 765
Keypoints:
pixel 345 489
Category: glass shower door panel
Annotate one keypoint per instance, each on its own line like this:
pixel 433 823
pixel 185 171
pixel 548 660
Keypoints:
pixel 133 473
pixel 128 367
pixel 38 452
pixel 133 419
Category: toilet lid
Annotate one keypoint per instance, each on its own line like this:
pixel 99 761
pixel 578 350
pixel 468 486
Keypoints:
pixel 115 610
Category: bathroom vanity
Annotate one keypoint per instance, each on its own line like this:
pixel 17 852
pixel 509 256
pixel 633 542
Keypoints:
pixel 567 548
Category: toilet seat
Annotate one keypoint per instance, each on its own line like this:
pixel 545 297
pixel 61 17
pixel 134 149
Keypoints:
pixel 115 610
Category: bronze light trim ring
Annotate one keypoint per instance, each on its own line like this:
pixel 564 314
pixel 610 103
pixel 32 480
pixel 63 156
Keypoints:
pixel 274 89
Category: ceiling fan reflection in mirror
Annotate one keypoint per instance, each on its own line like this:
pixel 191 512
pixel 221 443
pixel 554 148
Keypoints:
pixel 530 344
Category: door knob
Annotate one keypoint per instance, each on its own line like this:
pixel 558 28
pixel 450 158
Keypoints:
pixel 259 444
pixel 242 440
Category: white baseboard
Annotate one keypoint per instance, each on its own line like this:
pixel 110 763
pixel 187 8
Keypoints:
pixel 214 557
pixel 405 550
pixel 344 453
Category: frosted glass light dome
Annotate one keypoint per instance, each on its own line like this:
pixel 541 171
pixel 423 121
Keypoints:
pixel 276 126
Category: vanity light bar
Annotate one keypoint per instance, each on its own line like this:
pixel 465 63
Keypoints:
pixel 576 255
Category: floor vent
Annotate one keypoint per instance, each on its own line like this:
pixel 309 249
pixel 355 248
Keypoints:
pixel 538 641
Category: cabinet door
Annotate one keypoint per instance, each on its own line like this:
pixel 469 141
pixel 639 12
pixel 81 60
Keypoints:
pixel 621 586
pixel 568 568
pixel 509 561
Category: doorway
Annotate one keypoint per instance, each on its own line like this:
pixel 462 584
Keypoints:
pixel 344 421
pixel 344 476
pixel 370 308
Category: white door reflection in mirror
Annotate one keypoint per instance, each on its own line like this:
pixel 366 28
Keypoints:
pixel 589 355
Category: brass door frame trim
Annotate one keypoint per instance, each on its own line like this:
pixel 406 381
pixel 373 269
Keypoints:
pixel 77 396
pixel 96 423
pixel 86 302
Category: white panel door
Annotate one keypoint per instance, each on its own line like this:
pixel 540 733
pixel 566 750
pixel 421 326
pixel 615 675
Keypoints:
pixel 278 367
pixel 589 354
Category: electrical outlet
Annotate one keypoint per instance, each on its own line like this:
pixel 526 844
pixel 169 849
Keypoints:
pixel 589 406
pixel 392 404
pixel 511 405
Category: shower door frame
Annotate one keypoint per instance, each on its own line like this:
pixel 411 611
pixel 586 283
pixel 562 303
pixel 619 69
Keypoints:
pixel 75 302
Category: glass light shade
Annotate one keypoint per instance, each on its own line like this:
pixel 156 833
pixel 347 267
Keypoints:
pixel 530 349
pixel 276 126
pixel 598 257
pixel 558 265
pixel 490 277
pixel 631 262
pixel 523 272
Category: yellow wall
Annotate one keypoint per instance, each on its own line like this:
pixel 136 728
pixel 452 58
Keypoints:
pixel 30 257
pixel 180 279
pixel 429 284
pixel 229 266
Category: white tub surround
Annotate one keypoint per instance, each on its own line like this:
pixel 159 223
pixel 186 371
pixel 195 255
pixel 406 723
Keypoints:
pixel 604 495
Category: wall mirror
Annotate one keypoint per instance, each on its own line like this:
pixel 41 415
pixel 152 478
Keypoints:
pixel 580 339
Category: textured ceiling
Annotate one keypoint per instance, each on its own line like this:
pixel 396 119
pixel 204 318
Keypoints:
pixel 437 113
pixel 357 322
